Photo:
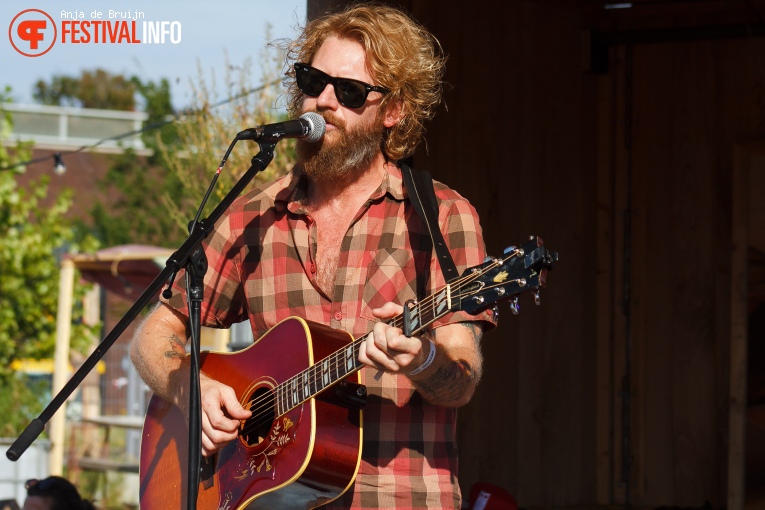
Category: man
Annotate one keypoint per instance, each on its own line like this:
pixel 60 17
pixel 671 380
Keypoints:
pixel 338 242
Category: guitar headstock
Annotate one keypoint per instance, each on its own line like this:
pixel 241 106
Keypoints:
pixel 520 270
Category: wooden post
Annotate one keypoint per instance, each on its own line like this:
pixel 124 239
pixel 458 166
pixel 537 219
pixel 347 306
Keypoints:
pixel 61 365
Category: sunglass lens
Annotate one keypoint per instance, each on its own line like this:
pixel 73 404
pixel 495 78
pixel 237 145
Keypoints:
pixel 350 93
pixel 311 82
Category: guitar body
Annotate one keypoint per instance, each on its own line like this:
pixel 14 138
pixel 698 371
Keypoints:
pixel 303 458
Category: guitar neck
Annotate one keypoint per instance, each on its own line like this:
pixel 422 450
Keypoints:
pixel 520 270
pixel 344 362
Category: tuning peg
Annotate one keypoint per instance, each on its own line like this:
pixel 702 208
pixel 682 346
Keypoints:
pixel 537 298
pixel 514 306
pixel 508 250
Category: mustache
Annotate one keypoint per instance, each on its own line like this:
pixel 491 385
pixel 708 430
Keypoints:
pixel 331 118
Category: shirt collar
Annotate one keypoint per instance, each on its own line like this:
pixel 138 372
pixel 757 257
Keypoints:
pixel 393 183
pixel 293 195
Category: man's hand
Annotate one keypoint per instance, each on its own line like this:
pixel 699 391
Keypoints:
pixel 221 415
pixel 450 376
pixel 386 348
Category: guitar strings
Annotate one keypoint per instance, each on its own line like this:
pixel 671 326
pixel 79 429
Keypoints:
pixel 262 405
pixel 263 413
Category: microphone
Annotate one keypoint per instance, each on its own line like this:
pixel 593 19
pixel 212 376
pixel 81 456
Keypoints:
pixel 310 126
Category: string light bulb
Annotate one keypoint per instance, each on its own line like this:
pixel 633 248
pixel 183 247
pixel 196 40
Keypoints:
pixel 58 164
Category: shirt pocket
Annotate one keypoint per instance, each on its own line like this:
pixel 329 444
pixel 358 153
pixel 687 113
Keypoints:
pixel 391 276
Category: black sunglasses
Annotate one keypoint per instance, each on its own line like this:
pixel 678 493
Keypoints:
pixel 350 93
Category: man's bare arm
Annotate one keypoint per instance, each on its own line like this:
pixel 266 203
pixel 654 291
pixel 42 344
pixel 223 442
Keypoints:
pixel 456 370
pixel 159 355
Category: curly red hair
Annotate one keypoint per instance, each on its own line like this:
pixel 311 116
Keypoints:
pixel 402 56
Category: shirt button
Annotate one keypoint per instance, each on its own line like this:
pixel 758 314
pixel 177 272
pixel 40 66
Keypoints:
pixel 338 316
pixel 313 268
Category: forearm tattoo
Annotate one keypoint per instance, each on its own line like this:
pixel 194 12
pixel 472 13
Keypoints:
pixel 450 382
pixel 177 348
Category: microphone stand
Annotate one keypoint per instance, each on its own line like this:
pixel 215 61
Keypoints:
pixel 189 251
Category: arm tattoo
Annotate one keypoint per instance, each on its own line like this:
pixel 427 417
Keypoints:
pixel 177 348
pixel 450 382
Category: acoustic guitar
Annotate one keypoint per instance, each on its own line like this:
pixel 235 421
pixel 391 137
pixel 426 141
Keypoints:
pixel 301 448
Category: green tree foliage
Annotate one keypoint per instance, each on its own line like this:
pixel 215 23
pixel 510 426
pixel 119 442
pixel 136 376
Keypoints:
pixel 92 89
pixel 22 398
pixel 61 91
pixel 137 215
pixel 158 105
pixel 206 131
pixel 129 218
pixel 161 196
pixel 31 237
pixel 101 89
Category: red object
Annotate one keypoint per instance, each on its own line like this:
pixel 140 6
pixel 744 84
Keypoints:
pixel 309 453
pixel 487 496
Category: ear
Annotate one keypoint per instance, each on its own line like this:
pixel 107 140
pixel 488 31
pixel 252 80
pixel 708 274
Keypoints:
pixel 394 112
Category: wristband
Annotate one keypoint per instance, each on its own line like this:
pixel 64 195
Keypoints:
pixel 428 361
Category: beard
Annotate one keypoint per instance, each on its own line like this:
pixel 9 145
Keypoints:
pixel 341 160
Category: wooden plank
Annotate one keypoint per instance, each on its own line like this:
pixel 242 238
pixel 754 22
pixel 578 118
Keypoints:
pixel 608 92
pixel 738 330
pixel 108 465
pixel 122 421
pixel 618 327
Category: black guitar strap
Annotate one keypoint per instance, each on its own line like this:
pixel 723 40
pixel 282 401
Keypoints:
pixel 420 187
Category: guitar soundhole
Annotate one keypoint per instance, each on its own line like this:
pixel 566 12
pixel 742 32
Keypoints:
pixel 256 428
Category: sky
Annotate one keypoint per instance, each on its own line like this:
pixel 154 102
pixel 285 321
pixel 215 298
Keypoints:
pixel 208 32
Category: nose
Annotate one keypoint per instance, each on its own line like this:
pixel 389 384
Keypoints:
pixel 327 98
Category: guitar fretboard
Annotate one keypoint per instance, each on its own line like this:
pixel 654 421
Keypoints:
pixel 342 363
pixel 496 286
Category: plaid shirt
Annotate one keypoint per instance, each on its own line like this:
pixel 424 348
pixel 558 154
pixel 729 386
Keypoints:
pixel 262 268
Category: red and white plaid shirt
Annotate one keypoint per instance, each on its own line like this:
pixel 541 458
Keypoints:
pixel 262 267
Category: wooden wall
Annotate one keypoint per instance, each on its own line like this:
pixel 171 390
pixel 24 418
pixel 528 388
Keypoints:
pixel 628 174
pixel 673 117
pixel 513 142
